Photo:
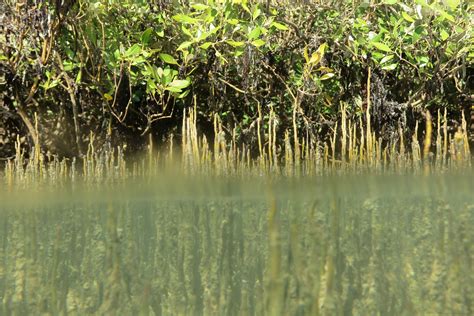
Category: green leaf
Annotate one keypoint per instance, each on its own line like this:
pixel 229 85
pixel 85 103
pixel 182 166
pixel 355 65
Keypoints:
pixel 206 45
pixel 325 69
pixel 315 58
pixel 390 1
pixel 390 67
pixel 233 21
pixel 382 47
pixel 184 45
pixel 443 13
pixel 168 59
pixel 199 6
pixel 255 33
pixel 377 55
pixel 322 48
pixel 417 33
pixel 180 84
pixel 423 61
pixel 68 66
pixel 280 26
pixel 258 43
pixel 202 36
pixel 318 54
pixel 245 7
pixel 79 76
pixel 159 72
pixel 174 89
pixel 327 76
pixel 186 31
pixel 184 94
pixel 138 60
pixel 108 97
pixel 239 51
pixel 387 58
pixel 444 35
pixel 183 18
pixel 234 43
pixel 407 17
pixel 146 36
pixel 453 4
pixel 256 13
pixel 151 86
pixel 133 51
pixel 160 31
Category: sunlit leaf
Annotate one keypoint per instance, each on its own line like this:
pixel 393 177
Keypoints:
pixel 79 76
pixel 325 69
pixel 183 18
pixel 417 33
pixel 168 59
pixel 186 31
pixel 377 55
pixel 174 89
pixel 234 43
pixel 108 97
pixel 160 72
pixel 202 36
pixel 160 31
pixel 199 6
pixel 423 59
pixel 322 48
pixel 184 45
pixel 151 85
pixel 390 67
pixel 387 58
pixel 68 66
pixel 245 7
pixel 318 55
pixel 256 13
pixel 138 60
pixel 255 33
pixel 444 35
pixel 146 36
pixel 279 26
pixel 442 13
pixel 315 58
pixel 233 21
pixel 239 51
pixel 407 17
pixel 258 43
pixel 184 94
pixel 327 76
pixel 206 45
pixel 180 84
pixel 453 4
pixel 382 47
pixel 133 51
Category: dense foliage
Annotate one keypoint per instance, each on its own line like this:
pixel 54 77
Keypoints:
pixel 120 70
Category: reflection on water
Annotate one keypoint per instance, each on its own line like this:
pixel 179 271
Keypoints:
pixel 360 245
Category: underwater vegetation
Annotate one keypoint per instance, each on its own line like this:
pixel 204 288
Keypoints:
pixel 365 245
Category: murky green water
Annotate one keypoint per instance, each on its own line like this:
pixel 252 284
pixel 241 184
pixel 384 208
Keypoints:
pixel 356 245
